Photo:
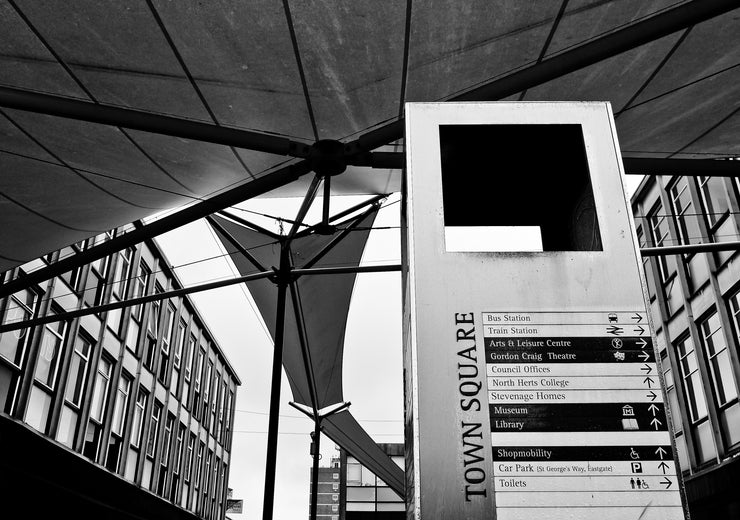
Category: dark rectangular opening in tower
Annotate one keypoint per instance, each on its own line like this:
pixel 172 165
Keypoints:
pixel 517 187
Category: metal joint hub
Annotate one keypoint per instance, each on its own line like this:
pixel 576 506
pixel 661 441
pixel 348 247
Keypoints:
pixel 327 158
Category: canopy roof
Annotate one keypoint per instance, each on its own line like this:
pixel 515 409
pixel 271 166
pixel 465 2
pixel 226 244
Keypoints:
pixel 113 110
pixel 297 72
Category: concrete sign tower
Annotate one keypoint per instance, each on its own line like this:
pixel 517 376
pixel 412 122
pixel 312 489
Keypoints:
pixel 533 388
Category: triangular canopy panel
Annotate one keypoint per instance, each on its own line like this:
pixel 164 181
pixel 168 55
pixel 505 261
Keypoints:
pixel 323 305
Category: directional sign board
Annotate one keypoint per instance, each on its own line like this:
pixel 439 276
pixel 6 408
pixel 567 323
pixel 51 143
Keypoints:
pixel 532 385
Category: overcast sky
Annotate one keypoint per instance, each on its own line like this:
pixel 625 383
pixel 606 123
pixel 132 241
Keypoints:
pixel 373 361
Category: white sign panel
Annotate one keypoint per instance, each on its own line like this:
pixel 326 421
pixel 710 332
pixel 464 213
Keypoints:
pixel 532 385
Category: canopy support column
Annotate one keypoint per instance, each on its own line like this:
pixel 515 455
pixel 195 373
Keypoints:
pixel 277 368
pixel 315 469
pixel 316 416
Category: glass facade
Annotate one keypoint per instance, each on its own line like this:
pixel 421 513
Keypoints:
pixel 695 303
pixel 109 386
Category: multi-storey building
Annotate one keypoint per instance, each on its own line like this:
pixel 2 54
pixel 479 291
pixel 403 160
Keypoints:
pixel 695 304
pixel 144 392
pixel 328 498
pixel 350 491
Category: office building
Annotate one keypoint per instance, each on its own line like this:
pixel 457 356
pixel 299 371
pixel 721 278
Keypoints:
pixel 125 413
pixel 695 305
pixel 328 495
pixel 350 491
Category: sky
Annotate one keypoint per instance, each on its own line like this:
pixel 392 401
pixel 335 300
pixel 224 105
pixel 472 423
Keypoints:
pixel 373 362
pixel 372 359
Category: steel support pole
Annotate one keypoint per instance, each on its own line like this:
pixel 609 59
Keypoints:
pixel 690 248
pixel 59 106
pixel 97 309
pixel 683 167
pixel 277 372
pixel 315 469
pixel 268 182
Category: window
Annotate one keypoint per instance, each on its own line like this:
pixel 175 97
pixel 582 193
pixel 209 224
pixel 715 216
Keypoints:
pixel 206 478
pixel 72 278
pixel 138 423
pixel 227 420
pixel 189 457
pixel 151 446
pixel 189 363
pixel 122 273
pixel 95 284
pixel 687 226
pixel 45 376
pixel 167 442
pixel 714 199
pixel 141 282
pixel 164 457
pixel 49 353
pixel 198 466
pixel 119 422
pixel 188 370
pixel 666 263
pixel 177 463
pixel 178 448
pixel 153 322
pixel 98 407
pixel 686 220
pixel 21 307
pixel 221 404
pixel 119 287
pixel 13 346
pixel 695 400
pixel 77 374
pixel 100 390
pixel 76 380
pixel 206 394
pixel 177 357
pixel 119 410
pixel 720 367
pixel 199 369
pixel 167 329
pixel 675 408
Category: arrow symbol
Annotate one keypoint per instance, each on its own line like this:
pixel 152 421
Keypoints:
pixel 654 409
pixel 642 343
pixel 652 395
pixel 646 368
pixel 660 452
pixel 648 381
pixel 655 422
pixel 639 329
pixel 636 317
pixel 613 329
pixel 666 482
pixel 663 466
pixel 644 356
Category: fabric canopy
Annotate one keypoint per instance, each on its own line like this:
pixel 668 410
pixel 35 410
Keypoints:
pixel 323 305
pixel 330 70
